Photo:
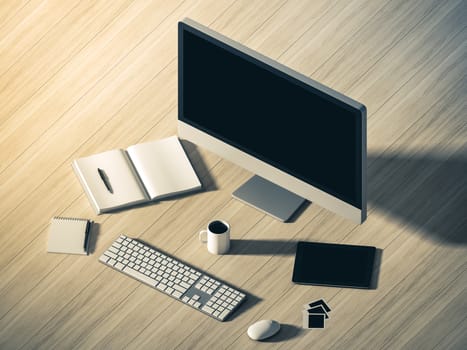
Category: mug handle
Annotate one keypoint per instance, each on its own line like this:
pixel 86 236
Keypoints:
pixel 201 239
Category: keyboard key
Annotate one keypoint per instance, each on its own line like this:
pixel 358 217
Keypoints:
pixel 224 314
pixel 180 288
pixel 103 258
pixel 161 286
pixel 119 266
pixel 176 294
pixel 184 284
pixel 111 255
pixel 208 309
pixel 139 276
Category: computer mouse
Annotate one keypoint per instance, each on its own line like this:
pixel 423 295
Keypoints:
pixel 263 329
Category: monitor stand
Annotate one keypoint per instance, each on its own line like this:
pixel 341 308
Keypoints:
pixel 269 198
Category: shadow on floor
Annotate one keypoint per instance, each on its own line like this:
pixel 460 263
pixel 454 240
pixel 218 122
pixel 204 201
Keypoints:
pixel 286 332
pixel 262 247
pixel 427 192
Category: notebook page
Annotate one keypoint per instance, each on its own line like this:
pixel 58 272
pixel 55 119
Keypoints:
pixel 163 167
pixel 68 235
pixel 126 188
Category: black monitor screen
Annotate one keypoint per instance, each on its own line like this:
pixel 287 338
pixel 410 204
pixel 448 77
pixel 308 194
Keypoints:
pixel 270 115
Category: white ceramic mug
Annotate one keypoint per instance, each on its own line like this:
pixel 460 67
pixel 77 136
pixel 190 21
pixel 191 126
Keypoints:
pixel 217 237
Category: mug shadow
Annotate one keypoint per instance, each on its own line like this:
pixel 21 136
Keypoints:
pixel 261 247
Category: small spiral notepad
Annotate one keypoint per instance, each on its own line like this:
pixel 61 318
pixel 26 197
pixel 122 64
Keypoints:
pixel 69 236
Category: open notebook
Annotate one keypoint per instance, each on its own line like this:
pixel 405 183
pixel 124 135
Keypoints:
pixel 144 172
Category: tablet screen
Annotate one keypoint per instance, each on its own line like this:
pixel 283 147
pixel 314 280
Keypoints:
pixel 338 265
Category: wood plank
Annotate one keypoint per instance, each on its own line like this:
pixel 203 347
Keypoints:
pixel 55 94
pixel 37 19
pixel 13 12
pixel 454 338
pixel 23 79
pixel 77 78
pixel 89 114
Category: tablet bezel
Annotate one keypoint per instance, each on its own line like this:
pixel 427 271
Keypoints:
pixel 308 247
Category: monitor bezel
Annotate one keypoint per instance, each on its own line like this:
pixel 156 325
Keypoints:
pixel 256 165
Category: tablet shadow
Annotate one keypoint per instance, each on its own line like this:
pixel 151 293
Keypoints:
pixel 426 191
pixel 376 269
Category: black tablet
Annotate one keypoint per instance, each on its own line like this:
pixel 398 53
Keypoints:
pixel 337 265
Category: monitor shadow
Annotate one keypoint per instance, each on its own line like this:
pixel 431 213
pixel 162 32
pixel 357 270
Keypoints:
pixel 427 192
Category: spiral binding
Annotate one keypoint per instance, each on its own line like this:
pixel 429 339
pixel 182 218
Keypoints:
pixel 67 219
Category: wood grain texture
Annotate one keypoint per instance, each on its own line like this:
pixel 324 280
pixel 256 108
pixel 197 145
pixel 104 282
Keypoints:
pixel 80 77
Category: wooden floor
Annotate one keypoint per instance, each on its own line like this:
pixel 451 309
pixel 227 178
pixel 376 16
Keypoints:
pixel 82 76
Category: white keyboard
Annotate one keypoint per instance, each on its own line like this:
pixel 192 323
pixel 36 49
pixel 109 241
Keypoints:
pixel 172 277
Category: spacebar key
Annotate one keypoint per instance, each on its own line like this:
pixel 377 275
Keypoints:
pixel 139 276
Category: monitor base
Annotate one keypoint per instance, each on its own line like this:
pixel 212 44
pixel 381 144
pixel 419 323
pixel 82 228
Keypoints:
pixel 269 198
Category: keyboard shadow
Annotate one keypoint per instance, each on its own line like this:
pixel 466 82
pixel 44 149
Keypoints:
pixel 251 301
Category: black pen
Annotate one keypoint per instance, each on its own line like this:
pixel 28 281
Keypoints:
pixel 105 179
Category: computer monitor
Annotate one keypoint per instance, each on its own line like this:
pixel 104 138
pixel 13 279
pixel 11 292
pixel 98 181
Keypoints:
pixel 302 140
